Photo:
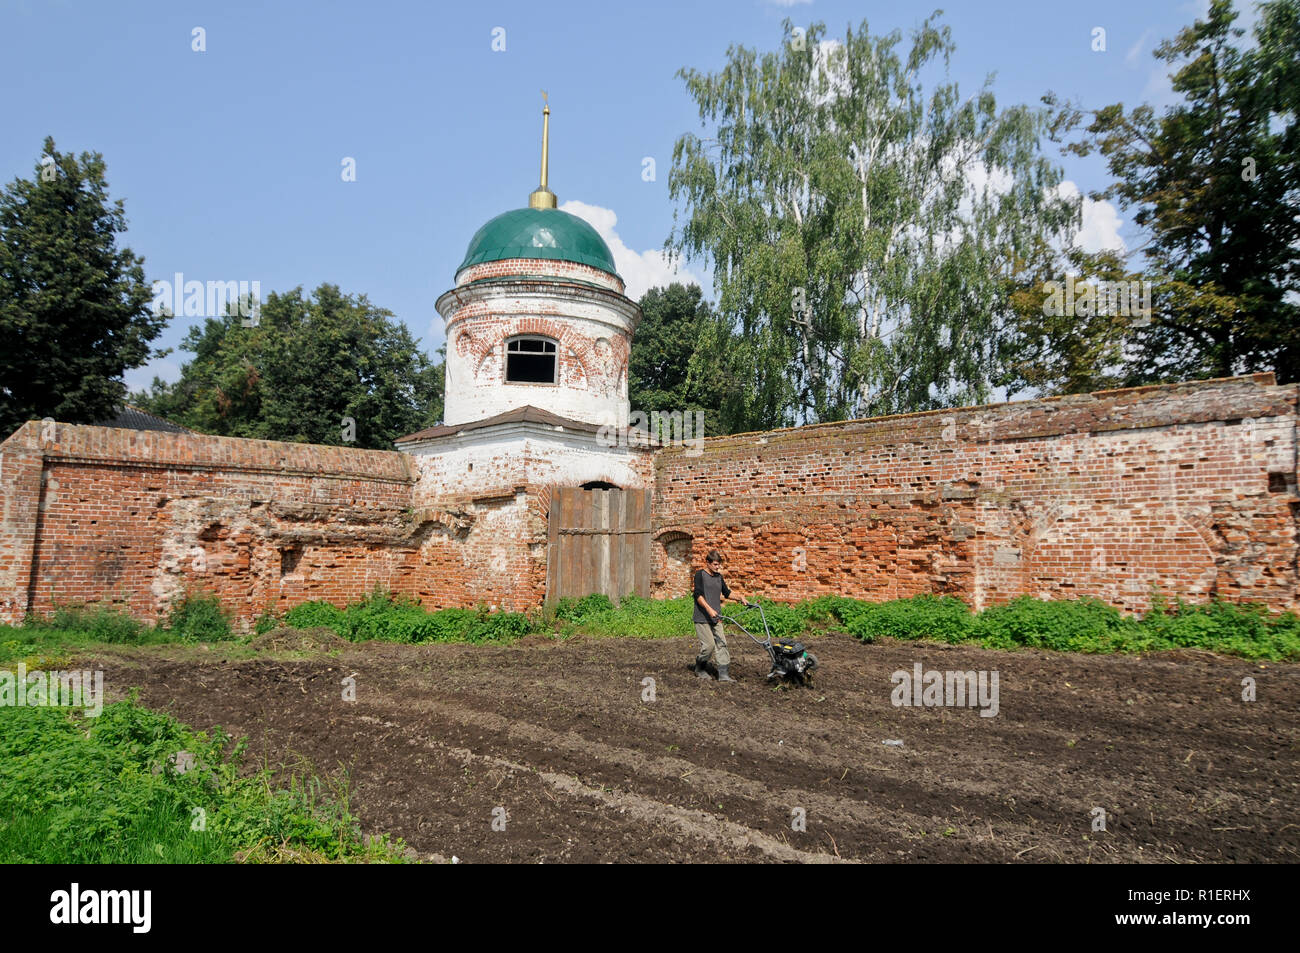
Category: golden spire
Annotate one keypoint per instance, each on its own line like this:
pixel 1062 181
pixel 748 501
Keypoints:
pixel 544 197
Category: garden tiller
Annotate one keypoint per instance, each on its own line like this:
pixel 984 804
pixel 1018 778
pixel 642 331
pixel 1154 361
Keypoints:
pixel 790 660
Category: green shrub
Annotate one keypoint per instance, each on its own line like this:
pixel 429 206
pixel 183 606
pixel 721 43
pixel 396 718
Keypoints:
pixel 1238 629
pixel 1284 631
pixel 499 627
pixel 638 618
pixel 199 617
pixel 1085 625
pixel 447 625
pixel 310 615
pixel 385 617
pixel 566 609
pixel 408 625
pixel 98 623
pixel 572 608
pixel 382 617
pixel 381 598
pixel 384 623
pixel 636 604
pixel 831 609
pixel 945 618
pixel 785 622
pixel 266 622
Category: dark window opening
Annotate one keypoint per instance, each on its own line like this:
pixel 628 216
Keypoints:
pixel 599 485
pixel 530 361
pixel 289 559
pixel 1280 482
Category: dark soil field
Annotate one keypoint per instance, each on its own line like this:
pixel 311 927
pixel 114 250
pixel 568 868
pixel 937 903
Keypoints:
pixel 558 736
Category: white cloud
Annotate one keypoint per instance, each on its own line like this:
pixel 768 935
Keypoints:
pixel 641 271
pixel 1101 222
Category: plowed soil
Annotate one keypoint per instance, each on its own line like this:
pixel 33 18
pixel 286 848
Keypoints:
pixel 559 744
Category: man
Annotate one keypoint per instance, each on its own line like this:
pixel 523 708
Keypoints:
pixel 710 590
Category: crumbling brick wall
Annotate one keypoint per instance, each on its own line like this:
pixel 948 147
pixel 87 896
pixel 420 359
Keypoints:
pixel 1186 488
pixel 500 492
pixel 137 519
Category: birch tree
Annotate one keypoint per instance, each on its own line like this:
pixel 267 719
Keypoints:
pixel 862 217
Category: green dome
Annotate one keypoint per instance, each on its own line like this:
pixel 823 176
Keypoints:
pixel 539 233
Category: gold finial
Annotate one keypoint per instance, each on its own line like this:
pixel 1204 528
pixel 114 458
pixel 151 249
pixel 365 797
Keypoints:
pixel 544 197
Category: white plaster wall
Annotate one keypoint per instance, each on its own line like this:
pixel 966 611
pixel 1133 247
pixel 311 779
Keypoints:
pixel 593 336
pixel 490 462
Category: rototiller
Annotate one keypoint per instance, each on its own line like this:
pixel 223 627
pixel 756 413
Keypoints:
pixel 790 660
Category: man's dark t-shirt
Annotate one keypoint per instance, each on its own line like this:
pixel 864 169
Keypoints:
pixel 712 588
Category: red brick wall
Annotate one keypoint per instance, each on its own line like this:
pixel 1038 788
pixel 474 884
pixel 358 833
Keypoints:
pixel 549 267
pixel 137 519
pixel 1190 488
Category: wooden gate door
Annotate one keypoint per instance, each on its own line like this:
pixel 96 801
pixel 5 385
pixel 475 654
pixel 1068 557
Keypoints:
pixel 598 541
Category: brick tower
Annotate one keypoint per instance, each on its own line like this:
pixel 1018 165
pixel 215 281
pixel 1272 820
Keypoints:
pixel 538 337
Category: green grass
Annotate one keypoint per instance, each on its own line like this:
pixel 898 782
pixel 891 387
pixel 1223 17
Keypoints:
pixel 1084 625
pixel 635 617
pixel 196 617
pixel 76 789
pixel 384 617
pixel 32 644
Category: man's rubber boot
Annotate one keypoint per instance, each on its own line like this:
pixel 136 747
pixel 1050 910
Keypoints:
pixel 722 674
pixel 702 671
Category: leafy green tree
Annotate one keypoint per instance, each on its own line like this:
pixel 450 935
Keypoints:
pixel 672 366
pixel 861 230
pixel 74 308
pixel 1215 182
pixel 1049 350
pixel 329 369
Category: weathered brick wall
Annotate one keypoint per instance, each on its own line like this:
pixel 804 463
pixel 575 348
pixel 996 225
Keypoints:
pixel 546 267
pixel 592 334
pixel 498 489
pixel 137 519
pixel 1190 488
pixel 578 307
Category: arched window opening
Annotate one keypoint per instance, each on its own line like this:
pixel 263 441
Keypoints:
pixel 530 360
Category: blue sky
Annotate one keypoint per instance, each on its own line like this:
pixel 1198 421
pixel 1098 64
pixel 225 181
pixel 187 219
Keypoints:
pixel 229 160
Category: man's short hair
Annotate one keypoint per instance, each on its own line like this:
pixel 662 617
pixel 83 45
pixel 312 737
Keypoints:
pixel 713 557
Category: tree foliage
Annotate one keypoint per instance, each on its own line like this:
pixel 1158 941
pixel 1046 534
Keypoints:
pixel 861 229
pixel 307 367
pixel 672 366
pixel 1083 349
pixel 1215 183
pixel 74 308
